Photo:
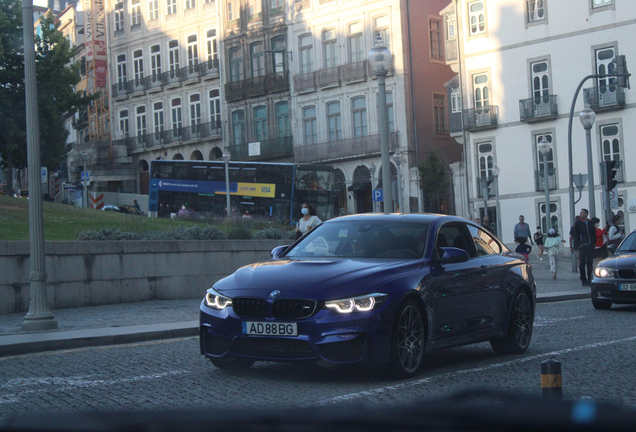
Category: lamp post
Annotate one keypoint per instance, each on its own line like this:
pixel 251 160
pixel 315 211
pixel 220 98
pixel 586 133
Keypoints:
pixel 495 173
pixel 587 117
pixel 380 61
pixel 226 158
pixel 372 169
pixel 83 156
pixel 544 148
pixel 398 158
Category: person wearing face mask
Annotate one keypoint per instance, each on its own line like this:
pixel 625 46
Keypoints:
pixel 309 220
pixel 600 249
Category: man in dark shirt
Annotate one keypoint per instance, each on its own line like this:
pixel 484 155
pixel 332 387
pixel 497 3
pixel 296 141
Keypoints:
pixel 575 242
pixel 585 232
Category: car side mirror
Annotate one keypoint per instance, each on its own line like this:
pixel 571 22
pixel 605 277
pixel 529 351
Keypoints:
pixel 278 251
pixel 450 255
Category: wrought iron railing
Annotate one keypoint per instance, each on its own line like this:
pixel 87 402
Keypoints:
pixel 355 71
pixel 455 120
pixel 328 77
pixel 171 136
pixel 480 118
pixel 256 86
pixel 305 82
pixel 235 90
pixel 341 149
pixel 278 81
pixel 541 108
pixel 269 148
pixel 604 97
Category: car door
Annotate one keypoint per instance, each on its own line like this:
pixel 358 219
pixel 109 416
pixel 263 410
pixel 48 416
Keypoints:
pixel 455 290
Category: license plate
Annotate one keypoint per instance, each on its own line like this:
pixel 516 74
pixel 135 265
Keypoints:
pixel 627 287
pixel 269 329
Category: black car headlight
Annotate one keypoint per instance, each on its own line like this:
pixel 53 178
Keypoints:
pixel 603 272
pixel 217 301
pixel 357 304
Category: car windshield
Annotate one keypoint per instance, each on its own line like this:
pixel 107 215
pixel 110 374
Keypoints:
pixel 364 239
pixel 628 245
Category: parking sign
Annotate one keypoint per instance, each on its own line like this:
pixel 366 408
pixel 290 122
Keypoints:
pixel 377 195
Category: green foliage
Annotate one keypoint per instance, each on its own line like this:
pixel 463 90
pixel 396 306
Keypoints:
pixel 179 233
pixel 434 181
pixel 239 232
pixel 270 233
pixel 107 234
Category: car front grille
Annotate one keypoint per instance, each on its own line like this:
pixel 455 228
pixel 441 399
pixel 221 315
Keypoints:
pixel 294 309
pixel 274 348
pixel 626 274
pixel 215 345
pixel 344 351
pixel 248 307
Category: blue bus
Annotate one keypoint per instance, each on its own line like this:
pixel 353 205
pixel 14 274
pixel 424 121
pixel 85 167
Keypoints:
pixel 275 190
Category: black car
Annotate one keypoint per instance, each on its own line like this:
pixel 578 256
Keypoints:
pixel 614 278
pixel 127 209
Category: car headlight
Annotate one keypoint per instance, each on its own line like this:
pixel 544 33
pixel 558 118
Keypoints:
pixel 356 304
pixel 216 300
pixel 603 272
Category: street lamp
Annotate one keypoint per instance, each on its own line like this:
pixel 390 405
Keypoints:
pixel 226 158
pixel 587 118
pixel 397 158
pixel 495 173
pixel 84 157
pixel 380 61
pixel 372 169
pixel 544 148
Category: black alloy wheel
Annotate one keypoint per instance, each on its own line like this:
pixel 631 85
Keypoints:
pixel 231 362
pixel 408 340
pixel 601 305
pixel 519 334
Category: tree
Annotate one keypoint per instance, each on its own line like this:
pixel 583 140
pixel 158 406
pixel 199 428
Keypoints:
pixel 434 181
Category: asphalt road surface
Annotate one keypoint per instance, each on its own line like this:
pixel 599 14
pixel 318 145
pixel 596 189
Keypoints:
pixel 596 348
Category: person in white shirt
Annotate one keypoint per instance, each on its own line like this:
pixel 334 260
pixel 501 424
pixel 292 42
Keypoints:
pixel 614 235
pixel 309 220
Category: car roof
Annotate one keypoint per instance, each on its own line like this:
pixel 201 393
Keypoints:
pixel 401 217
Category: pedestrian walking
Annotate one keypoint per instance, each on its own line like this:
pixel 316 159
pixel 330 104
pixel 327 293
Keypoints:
pixel 586 233
pixel 552 243
pixel 538 239
pixel 523 248
pixel 575 242
pixel 614 234
pixel 600 248
pixel 522 229
pixel 309 220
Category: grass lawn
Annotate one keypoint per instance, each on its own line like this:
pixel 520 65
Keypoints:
pixel 62 222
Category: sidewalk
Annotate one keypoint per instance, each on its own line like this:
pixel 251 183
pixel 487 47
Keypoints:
pixel 165 319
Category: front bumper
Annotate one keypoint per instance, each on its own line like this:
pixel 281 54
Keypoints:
pixel 327 335
pixel 608 290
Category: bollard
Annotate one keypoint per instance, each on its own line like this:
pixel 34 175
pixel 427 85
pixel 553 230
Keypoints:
pixel 551 385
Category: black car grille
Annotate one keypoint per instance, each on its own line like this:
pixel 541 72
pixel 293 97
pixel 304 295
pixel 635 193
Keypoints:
pixel 345 351
pixel 294 309
pixel 215 345
pixel 274 348
pixel 281 309
pixel 250 307
pixel 626 274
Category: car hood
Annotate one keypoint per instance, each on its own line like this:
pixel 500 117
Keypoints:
pixel 320 279
pixel 622 261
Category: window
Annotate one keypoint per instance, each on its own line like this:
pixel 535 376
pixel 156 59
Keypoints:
pixel 283 127
pixel 173 57
pixel 354 43
pixel 456 100
pixel 157 112
pixel 232 10
pixel 119 16
pixel 306 54
pixel 238 126
pixel 334 121
pixel 451 27
pixel 601 3
pixel 477 18
pixel 359 115
pixel 121 71
pixel 254 8
pixel 485 244
pixel 193 52
pixel 440 114
pixel 276 3
pixel 279 56
pixel 481 91
pixel 435 29
pixel 153 9
pixel 155 62
pixel 135 13
pixel 540 83
pixel 485 159
pixel 195 109
pixel 330 48
pixel 171 7
pixel 257 59
pixel 611 146
pixel 605 65
pixel 138 66
pixel 140 112
pixel 554 215
pixel 310 128
pixel 536 10
pixel 236 65
pixel 260 123
pixel 123 122
pixel 189 4
pixel 540 160
pixel 211 45
pixel 177 119
pixel 215 108
pixel 381 28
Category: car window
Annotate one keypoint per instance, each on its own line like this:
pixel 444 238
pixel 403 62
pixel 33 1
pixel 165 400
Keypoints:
pixel 629 244
pixel 485 244
pixel 455 235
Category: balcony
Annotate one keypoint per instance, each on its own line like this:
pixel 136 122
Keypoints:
pixel 328 77
pixel 209 5
pixel 190 72
pixel 451 51
pixel 234 91
pixel 273 148
pixel 455 119
pixel 255 86
pixel 538 109
pixel 539 180
pixel 356 71
pixel 119 32
pixel 605 98
pixel 480 118
pixel 277 82
pixel 305 82
pixel 209 69
pixel 201 131
pixel 342 149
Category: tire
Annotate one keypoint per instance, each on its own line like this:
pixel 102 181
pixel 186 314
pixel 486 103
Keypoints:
pixel 519 333
pixel 233 363
pixel 408 342
pixel 601 305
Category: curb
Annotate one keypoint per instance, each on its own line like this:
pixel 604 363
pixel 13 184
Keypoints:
pixel 563 296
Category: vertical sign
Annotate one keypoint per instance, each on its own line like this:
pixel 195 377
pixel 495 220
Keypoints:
pixel 88 29
pixel 99 43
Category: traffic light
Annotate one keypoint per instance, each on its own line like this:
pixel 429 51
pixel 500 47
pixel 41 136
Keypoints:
pixel 622 75
pixel 610 175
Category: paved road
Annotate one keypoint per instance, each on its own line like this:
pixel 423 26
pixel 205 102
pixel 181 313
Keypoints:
pixel 596 349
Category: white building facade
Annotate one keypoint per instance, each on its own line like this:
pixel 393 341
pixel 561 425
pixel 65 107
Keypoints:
pixel 519 64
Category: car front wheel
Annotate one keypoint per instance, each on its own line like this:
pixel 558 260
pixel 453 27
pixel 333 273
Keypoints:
pixel 519 327
pixel 601 305
pixel 230 362
pixel 407 349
